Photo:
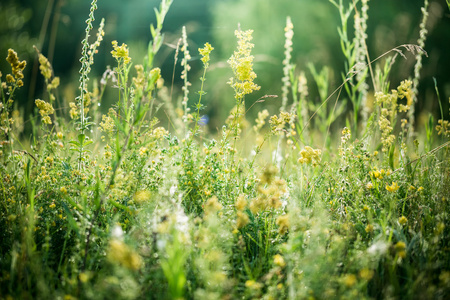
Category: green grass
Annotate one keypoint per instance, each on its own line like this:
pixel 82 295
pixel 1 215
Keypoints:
pixel 117 206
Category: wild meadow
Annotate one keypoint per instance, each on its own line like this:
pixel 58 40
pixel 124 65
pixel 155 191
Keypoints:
pixel 342 198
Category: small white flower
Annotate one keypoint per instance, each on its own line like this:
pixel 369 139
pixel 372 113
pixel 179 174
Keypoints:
pixel 117 232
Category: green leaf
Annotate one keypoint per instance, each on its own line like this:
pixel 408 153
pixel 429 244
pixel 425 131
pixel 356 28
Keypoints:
pixel 391 156
pixel 81 138
pixel 75 143
pixel 87 143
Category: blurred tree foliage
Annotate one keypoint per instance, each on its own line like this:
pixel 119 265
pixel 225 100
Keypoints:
pixel 56 27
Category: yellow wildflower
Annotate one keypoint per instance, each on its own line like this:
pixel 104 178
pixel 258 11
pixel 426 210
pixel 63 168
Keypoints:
pixel 253 285
pixel 242 219
pixel 402 220
pixel 120 253
pixel 241 203
pixel 349 280
pixel 16 65
pixel 142 196
pixel 283 224
pixel 392 188
pixel 84 277
pixel 366 274
pixel 212 205
pixel 369 228
pixel 400 248
pixel 160 132
pixel 45 67
pixel 107 124
pixel 241 63
pixel 309 155
pixel 45 109
pixel 204 52
pixel 261 120
pixel 143 151
pixel 279 260
pixel 120 52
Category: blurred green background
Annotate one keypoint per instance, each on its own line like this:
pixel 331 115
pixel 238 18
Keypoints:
pixel 56 27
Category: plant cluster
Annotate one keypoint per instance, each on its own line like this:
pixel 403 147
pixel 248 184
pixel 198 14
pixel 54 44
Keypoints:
pixel 125 208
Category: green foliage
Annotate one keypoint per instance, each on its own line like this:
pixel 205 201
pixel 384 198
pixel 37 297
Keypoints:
pixel 127 209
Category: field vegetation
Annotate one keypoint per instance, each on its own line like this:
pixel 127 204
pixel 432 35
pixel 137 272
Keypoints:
pixel 341 196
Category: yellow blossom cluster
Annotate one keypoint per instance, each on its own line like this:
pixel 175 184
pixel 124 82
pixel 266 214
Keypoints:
pixel 443 128
pixel 349 280
pixel 212 206
pixel 279 260
pixel 45 67
pixel 142 196
pixel 121 52
pixel 369 228
pixel 404 91
pixel 309 155
pixel 379 174
pixel 241 203
pixel 143 151
pixel 139 80
pixel 270 190
pixel 107 124
pixel 241 63
pixel 17 68
pixel 277 123
pixel 345 146
pixel 204 52
pixel 261 120
pixel 389 109
pixel 242 217
pixel 393 187
pixel 120 253
pixel 283 224
pixel 45 109
pixel 160 132
pixel 73 110
pixel 402 220
pixel 400 249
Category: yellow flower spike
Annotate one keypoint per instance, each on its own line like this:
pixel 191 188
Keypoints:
pixel 241 63
pixel 120 52
pixel 204 52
